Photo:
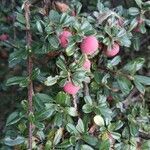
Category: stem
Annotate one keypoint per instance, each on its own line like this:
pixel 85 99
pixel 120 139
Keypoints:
pixel 29 68
pixel 75 101
pixel 86 89
pixel 14 28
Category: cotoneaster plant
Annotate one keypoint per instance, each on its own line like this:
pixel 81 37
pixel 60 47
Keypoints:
pixel 86 65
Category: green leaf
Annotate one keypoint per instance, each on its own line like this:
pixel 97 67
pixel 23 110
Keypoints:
pixel 17 57
pixel 115 135
pixel 31 117
pixel 87 108
pixel 134 130
pixel 61 63
pixel 80 126
pixel 145 145
pixel 16 80
pixel 72 111
pixel 43 97
pixel 70 50
pixel 115 61
pixel 134 65
pixel 124 84
pixel 35 73
pixel 49 30
pixel 71 128
pixel 13 118
pixel 133 24
pixel 139 86
pixel 40 99
pixel 39 27
pixel 142 79
pixel 54 16
pixel 86 147
pixel 48 145
pixel 100 6
pixel 63 99
pixel 15 141
pixel 88 100
pixel 51 80
pixel 139 3
pixel 58 119
pixel 54 41
pixel 20 18
pixel 104 145
pixel 133 11
pixel 66 20
pixel 58 136
pixel 91 140
pixel 73 140
pixel 121 33
pixel 44 114
pixel 78 6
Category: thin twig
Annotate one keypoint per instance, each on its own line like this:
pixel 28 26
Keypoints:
pixel 30 67
pixel 86 89
pixel 75 102
pixel 145 136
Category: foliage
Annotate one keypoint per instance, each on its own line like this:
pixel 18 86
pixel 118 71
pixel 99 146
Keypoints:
pixel 107 113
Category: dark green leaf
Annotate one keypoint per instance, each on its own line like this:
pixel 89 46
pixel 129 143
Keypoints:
pixel 87 108
pixel 72 111
pixel 91 140
pixel 58 136
pixel 13 118
pixel 133 11
pixel 124 84
pixel 143 79
pixel 15 80
pixel 63 99
pixel 80 126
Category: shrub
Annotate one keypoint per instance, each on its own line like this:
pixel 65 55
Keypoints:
pixel 67 103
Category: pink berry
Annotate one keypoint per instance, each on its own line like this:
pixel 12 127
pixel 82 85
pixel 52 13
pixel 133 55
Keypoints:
pixel 113 51
pixel 4 37
pixel 63 37
pixel 70 88
pixel 89 45
pixel 87 64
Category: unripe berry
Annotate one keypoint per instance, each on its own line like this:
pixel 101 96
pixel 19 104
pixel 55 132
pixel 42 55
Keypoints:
pixel 4 37
pixel 113 51
pixel 63 37
pixel 99 120
pixel 70 88
pixel 89 45
pixel 87 64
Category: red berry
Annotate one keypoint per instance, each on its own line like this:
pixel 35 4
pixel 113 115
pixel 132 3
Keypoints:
pixel 63 37
pixel 113 51
pixel 70 88
pixel 4 37
pixel 87 64
pixel 89 45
